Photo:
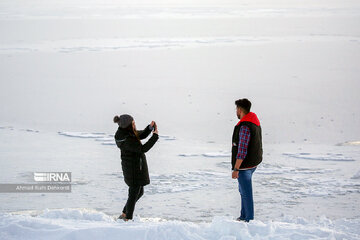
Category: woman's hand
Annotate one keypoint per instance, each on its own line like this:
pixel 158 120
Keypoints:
pixel 152 124
pixel 155 129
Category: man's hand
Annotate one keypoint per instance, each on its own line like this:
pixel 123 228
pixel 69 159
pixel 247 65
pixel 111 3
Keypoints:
pixel 152 124
pixel 235 174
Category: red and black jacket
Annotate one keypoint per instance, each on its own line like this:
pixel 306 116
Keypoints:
pixel 254 151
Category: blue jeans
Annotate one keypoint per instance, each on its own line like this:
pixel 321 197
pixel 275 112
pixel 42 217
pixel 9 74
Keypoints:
pixel 245 189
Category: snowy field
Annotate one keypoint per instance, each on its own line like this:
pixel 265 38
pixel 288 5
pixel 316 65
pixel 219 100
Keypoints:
pixel 67 67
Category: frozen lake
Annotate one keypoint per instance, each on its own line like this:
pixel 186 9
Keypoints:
pixel 187 183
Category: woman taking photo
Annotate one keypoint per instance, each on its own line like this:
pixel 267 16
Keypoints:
pixel 133 160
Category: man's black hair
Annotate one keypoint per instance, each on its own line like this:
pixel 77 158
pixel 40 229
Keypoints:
pixel 244 104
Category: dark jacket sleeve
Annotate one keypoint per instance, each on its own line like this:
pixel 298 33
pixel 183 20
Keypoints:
pixel 144 133
pixel 133 145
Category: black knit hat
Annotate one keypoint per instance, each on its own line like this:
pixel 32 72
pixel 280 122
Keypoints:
pixel 244 104
pixel 124 120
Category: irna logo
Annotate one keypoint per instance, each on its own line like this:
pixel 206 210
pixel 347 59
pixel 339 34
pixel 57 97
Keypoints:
pixel 52 176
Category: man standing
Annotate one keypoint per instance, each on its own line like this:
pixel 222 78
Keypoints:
pixel 246 155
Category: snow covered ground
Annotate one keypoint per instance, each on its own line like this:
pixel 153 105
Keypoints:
pixel 67 67
pixel 89 224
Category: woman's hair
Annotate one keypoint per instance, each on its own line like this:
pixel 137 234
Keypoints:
pixel 132 132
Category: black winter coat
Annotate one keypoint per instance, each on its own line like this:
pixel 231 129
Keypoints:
pixel 133 159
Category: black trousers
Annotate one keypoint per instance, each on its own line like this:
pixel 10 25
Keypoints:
pixel 135 193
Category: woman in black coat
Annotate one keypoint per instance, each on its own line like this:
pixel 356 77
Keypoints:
pixel 133 159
